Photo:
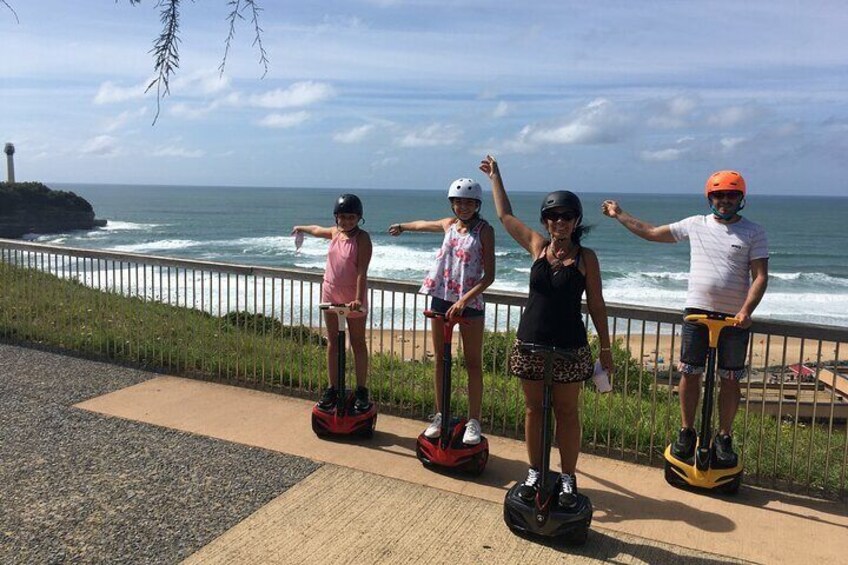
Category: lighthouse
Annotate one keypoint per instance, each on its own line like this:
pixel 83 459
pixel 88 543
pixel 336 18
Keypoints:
pixel 10 162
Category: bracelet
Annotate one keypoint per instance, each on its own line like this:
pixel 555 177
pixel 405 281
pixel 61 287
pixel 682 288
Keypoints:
pixel 399 227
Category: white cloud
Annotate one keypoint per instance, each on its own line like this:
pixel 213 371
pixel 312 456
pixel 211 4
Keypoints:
pixel 729 143
pixel 176 151
pixel 191 111
pixel 598 122
pixel 122 119
pixel 353 135
pixel 431 136
pixel 734 116
pixel 109 93
pixel 298 94
pixel 674 113
pixel 102 146
pixel 283 120
pixel 662 155
pixel 201 83
pixel 383 163
pixel 501 110
pixel 684 145
pixel 197 111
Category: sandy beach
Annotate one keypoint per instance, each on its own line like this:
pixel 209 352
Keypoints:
pixel 662 349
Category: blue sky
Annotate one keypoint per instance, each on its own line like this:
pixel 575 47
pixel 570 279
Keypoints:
pixel 590 96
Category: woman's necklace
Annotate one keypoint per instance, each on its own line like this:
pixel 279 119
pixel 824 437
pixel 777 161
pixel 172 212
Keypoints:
pixel 558 256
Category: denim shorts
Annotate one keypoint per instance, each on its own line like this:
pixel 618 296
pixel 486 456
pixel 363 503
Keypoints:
pixel 442 306
pixel 732 349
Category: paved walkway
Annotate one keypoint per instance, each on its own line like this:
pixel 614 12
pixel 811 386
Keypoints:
pixel 372 501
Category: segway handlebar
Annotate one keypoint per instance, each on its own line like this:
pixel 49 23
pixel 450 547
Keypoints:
pixel 458 320
pixel 534 348
pixel 714 322
pixel 343 309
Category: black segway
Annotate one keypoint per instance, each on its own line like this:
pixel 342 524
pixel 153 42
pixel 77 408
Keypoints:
pixel 343 419
pixel 544 517
pixel 703 470
pixel 447 451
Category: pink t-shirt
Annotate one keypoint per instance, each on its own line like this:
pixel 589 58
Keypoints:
pixel 341 271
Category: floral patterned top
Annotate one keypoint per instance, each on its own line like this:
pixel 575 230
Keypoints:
pixel 458 267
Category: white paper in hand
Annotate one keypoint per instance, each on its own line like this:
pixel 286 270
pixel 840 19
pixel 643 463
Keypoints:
pixel 601 378
pixel 298 241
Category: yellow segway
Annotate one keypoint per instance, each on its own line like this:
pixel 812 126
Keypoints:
pixel 703 470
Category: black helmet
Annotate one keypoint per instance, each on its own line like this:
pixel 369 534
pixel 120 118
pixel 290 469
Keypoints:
pixel 562 199
pixel 348 204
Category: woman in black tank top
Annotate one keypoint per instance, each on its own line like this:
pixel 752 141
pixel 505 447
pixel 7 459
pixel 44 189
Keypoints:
pixel 562 271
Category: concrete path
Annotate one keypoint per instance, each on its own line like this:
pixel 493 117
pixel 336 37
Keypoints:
pixel 404 511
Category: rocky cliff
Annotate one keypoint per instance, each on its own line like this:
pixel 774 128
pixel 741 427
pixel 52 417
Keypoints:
pixel 28 207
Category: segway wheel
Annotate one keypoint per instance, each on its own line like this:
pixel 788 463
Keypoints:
pixel 317 428
pixel 368 431
pixel 478 464
pixel 419 453
pixel 509 524
pixel 673 478
pixel 577 536
pixel 732 487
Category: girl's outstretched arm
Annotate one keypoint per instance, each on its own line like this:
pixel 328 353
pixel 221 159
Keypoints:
pixel 527 238
pixel 597 306
pixel 435 226
pixel 315 231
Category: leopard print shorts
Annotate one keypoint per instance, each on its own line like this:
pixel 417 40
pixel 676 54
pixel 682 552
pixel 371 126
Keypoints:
pixel 532 367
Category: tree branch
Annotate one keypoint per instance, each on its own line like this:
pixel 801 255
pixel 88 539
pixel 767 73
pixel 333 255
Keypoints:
pixel 17 19
pixel 165 51
pixel 234 14
pixel 257 41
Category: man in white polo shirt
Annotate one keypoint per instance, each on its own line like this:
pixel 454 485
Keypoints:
pixel 728 274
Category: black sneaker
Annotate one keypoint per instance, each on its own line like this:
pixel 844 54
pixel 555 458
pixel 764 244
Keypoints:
pixel 567 491
pixel 328 398
pixel 684 446
pixel 361 402
pixel 725 456
pixel 527 490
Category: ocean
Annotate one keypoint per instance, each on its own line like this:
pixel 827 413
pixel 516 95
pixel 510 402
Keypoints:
pixel 808 242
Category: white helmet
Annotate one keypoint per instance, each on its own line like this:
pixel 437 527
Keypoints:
pixel 466 188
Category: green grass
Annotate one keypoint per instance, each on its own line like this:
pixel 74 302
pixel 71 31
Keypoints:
pixel 634 422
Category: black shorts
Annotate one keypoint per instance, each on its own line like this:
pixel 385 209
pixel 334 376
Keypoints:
pixel 732 351
pixel 442 306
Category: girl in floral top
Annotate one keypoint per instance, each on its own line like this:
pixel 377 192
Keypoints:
pixel 464 268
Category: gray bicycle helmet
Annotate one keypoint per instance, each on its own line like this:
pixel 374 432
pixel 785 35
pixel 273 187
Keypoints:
pixel 348 204
pixel 562 199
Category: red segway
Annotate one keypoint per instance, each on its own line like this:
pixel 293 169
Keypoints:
pixel 447 451
pixel 343 419
pixel 544 517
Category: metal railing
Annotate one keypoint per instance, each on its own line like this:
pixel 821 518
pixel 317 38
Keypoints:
pixel 261 327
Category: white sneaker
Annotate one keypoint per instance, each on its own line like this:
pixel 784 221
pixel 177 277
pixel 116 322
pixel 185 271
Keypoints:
pixel 434 430
pixel 472 432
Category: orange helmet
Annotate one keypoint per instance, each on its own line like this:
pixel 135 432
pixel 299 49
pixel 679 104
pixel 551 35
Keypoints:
pixel 724 180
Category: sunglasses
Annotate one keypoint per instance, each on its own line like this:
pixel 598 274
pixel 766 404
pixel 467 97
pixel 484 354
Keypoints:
pixel 730 194
pixel 564 216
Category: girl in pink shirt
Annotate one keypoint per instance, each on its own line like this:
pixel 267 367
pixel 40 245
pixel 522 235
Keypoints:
pixel 345 282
